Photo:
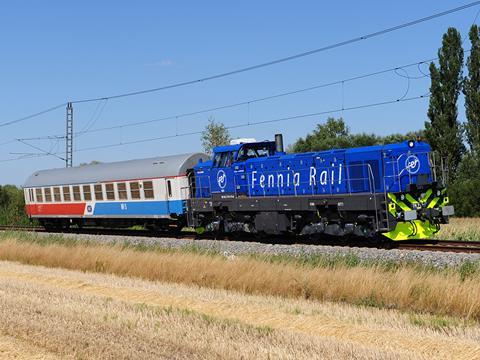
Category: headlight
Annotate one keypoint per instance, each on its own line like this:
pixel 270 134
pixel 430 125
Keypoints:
pixel 411 143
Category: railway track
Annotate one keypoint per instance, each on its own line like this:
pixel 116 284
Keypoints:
pixel 433 245
pixel 21 228
pixel 472 247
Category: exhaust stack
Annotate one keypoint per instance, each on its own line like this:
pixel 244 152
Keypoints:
pixel 279 143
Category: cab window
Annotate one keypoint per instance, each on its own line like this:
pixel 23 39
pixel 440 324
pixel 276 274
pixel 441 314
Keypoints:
pixel 255 151
pixel 224 159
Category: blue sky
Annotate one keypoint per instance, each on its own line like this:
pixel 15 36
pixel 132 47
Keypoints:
pixel 55 51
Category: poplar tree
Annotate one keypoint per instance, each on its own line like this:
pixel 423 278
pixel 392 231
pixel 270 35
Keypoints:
pixel 471 90
pixel 443 131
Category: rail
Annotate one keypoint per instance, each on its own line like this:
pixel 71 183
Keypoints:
pixel 472 247
pixel 21 228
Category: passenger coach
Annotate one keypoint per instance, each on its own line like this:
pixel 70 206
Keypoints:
pixel 151 192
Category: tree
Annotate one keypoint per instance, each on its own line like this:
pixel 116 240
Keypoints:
pixel 335 134
pixel 215 134
pixel 463 192
pixel 93 162
pixel 471 89
pixel 443 131
pixel 12 206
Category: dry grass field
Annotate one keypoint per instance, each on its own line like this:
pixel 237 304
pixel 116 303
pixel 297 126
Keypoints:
pixel 451 293
pixel 467 229
pixel 57 313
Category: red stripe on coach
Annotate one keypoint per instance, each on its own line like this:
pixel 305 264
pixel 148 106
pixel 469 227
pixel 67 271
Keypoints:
pixel 55 209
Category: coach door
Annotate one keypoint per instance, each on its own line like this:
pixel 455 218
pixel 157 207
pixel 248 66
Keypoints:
pixel 169 194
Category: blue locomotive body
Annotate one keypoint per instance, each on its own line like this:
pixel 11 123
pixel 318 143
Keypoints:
pixel 351 184
pixel 387 168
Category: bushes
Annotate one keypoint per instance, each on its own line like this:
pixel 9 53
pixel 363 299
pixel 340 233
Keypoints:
pixel 12 206
pixel 464 191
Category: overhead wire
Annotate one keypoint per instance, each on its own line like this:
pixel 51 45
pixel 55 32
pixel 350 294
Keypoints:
pixel 46 152
pixel 258 66
pixel 28 117
pixel 246 102
pixel 96 116
pixel 406 76
pixel 261 65
pixel 288 58
pixel 247 124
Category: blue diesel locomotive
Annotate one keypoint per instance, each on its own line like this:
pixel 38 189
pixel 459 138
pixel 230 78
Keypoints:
pixel 256 187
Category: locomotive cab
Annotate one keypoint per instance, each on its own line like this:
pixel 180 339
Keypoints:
pixel 222 175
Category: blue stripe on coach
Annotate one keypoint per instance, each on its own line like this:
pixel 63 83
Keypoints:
pixel 139 208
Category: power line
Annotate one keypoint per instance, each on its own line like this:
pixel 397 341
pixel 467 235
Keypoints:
pixel 252 101
pixel 258 66
pixel 395 69
pixel 289 58
pixel 28 117
pixel 46 152
pixel 247 124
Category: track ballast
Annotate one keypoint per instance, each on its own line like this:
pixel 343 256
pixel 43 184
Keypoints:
pixel 472 247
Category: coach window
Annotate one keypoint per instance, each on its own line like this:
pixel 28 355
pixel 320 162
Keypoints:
pixel 135 190
pixel 110 191
pixel 66 193
pixel 87 193
pixel 48 195
pixel 122 191
pixel 76 193
pixel 98 192
pixel 56 194
pixel 30 195
pixel 39 195
pixel 148 189
pixel 169 188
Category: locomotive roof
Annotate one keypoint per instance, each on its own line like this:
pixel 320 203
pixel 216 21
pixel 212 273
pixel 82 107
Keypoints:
pixel 155 167
pixel 236 147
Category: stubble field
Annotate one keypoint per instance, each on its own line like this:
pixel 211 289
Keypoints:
pixel 80 300
pixel 65 313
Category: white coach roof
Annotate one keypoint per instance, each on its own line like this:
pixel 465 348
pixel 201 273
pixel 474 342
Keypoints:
pixel 123 170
